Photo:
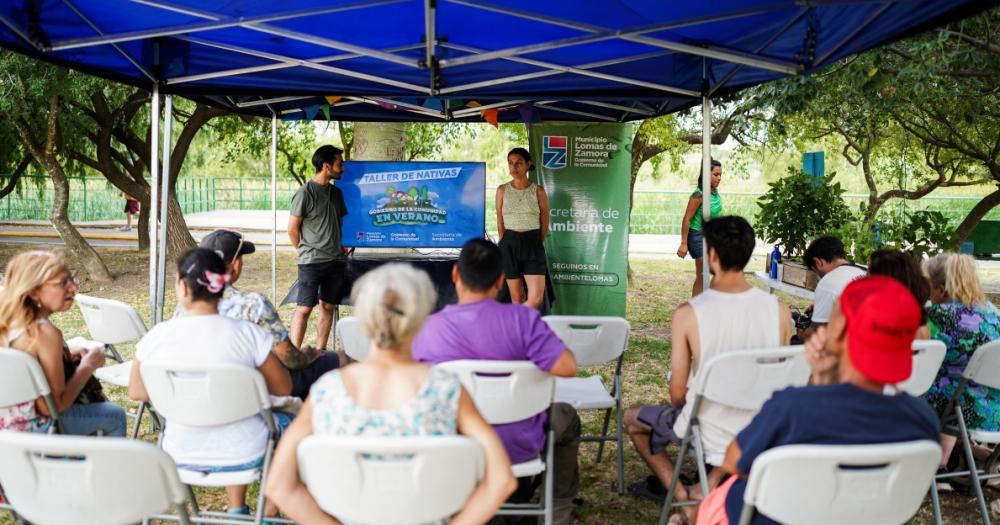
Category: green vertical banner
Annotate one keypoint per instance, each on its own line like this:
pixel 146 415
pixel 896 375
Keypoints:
pixel 584 169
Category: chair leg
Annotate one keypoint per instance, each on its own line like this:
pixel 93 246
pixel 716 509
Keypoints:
pixel 114 353
pixel 621 443
pixel 604 433
pixel 970 461
pixel 699 459
pixel 665 511
pixel 182 514
pixel 549 477
pixel 138 420
pixel 935 502
pixel 261 499
pixel 194 501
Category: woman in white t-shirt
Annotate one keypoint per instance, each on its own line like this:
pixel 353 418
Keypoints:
pixel 204 336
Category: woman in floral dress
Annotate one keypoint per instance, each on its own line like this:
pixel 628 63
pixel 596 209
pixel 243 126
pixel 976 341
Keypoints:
pixel 964 320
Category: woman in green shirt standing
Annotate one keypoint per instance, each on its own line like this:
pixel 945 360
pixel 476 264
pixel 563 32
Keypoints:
pixel 692 242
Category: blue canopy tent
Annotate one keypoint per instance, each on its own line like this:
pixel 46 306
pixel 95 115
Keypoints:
pixel 453 60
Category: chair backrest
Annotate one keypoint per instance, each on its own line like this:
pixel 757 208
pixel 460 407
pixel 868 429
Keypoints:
pixel 837 484
pixel 984 367
pixel 110 322
pixel 594 340
pixel 747 378
pixel 85 480
pixel 356 344
pixel 504 391
pixel 379 480
pixel 928 354
pixel 21 378
pixel 205 394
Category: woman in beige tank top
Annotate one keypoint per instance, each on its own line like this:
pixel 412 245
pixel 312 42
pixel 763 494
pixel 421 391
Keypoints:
pixel 523 224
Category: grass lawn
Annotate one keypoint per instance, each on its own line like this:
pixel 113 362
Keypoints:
pixel 657 287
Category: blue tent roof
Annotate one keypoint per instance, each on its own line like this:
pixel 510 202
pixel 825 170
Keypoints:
pixel 435 60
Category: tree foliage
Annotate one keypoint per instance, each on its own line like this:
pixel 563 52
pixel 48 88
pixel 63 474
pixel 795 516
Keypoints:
pixel 914 116
pixel 800 207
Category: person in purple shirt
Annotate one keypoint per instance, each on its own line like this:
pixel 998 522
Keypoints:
pixel 479 327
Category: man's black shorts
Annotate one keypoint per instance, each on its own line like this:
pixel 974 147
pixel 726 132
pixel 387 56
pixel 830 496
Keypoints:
pixel 320 282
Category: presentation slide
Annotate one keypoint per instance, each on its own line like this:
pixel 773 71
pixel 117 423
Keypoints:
pixel 413 204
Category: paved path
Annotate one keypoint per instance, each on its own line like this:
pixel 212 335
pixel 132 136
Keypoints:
pixel 256 225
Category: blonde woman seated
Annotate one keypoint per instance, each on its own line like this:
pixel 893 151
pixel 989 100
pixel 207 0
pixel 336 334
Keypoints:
pixel 964 320
pixel 388 394
pixel 38 283
pixel 204 336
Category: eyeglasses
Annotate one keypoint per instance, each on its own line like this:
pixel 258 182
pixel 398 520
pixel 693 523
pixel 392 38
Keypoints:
pixel 64 282
pixel 239 248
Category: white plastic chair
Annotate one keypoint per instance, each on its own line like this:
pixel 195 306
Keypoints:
pixel 506 392
pixel 22 379
pixel 928 354
pixel 983 369
pixel 112 323
pixel 838 484
pixel 742 379
pixel 356 344
pixel 69 479
pixel 595 340
pixel 390 480
pixel 212 395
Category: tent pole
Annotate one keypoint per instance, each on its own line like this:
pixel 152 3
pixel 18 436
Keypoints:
pixel 706 179
pixel 274 207
pixel 161 268
pixel 154 171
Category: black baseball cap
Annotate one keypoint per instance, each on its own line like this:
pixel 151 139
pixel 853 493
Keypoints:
pixel 228 244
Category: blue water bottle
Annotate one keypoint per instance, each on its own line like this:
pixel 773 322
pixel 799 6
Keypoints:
pixel 775 262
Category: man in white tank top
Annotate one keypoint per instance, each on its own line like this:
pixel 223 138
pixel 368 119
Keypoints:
pixel 731 316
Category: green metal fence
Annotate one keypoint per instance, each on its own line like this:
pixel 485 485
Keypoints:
pixel 94 199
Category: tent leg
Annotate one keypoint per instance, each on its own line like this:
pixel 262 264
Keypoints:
pixel 161 267
pixel 274 208
pixel 154 170
pixel 706 180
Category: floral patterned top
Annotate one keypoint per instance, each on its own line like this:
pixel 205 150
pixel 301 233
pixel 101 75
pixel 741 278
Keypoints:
pixel 432 412
pixel 21 417
pixel 963 329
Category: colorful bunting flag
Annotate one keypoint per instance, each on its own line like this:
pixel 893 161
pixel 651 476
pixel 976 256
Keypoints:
pixel 326 110
pixel 433 103
pixel 311 112
pixel 333 99
pixel 491 116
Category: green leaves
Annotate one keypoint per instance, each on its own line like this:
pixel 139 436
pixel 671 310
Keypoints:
pixel 918 233
pixel 798 208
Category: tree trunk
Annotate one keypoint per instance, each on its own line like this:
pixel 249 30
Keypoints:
pixel 142 227
pixel 179 239
pixel 15 176
pixel 379 141
pixel 46 154
pixel 975 215
pixel 91 261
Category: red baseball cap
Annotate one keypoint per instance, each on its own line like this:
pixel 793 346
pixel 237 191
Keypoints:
pixel 882 321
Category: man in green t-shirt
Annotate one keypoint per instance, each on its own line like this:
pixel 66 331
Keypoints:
pixel 314 228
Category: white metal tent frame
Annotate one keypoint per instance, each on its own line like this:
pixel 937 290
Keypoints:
pixel 433 65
